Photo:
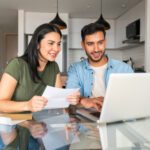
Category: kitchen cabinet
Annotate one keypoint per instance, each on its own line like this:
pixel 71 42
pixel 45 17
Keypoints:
pixel 137 12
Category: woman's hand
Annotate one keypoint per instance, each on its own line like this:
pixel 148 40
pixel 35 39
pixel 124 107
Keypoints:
pixel 74 98
pixel 38 129
pixel 36 103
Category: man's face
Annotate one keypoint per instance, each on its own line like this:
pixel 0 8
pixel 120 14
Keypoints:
pixel 94 46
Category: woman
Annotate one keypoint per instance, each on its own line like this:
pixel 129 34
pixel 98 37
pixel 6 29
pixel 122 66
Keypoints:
pixel 26 77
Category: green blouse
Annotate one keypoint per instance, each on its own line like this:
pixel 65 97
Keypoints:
pixel 26 88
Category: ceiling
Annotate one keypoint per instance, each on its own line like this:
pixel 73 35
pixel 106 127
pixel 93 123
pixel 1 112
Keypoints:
pixel 111 9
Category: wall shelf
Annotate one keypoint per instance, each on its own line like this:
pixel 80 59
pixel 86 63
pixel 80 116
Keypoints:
pixel 128 46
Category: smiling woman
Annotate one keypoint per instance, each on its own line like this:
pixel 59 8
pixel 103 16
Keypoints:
pixel 26 77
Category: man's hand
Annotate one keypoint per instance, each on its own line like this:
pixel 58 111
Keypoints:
pixel 96 102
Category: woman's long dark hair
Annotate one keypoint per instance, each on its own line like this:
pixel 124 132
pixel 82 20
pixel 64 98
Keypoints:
pixel 32 52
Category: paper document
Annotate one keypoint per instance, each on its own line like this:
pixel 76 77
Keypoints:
pixel 57 97
pixel 9 121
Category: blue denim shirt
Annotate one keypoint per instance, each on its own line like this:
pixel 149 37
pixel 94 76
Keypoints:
pixel 80 74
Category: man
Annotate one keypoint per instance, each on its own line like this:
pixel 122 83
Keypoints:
pixel 91 75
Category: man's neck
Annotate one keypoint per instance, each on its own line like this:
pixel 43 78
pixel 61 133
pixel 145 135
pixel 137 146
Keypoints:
pixel 102 62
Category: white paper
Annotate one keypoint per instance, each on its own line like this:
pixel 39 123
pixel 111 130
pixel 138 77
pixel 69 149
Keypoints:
pixel 9 121
pixel 57 97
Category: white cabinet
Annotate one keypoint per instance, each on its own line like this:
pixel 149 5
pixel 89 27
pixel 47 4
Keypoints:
pixel 137 12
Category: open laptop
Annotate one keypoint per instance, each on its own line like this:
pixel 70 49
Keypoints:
pixel 127 97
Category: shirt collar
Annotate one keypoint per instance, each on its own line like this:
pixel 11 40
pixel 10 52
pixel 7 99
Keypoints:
pixel 87 66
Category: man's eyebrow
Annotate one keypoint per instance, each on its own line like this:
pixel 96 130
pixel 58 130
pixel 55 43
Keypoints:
pixel 102 40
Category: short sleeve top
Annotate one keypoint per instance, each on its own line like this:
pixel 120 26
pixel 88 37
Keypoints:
pixel 26 88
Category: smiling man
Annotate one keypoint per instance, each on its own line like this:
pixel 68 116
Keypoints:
pixel 91 75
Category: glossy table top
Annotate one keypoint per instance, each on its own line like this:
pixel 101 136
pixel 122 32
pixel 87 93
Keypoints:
pixel 56 130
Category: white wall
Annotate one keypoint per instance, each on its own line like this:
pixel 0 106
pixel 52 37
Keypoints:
pixel 137 54
pixel 1 53
pixel 11 48
pixel 75 55
pixel 147 40
pixel 76 24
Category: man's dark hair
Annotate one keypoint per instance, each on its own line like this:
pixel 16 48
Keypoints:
pixel 90 29
pixel 32 51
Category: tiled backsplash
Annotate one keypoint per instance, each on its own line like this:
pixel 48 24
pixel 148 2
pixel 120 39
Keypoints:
pixel 137 54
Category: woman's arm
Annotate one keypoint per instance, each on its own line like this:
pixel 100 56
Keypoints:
pixel 7 87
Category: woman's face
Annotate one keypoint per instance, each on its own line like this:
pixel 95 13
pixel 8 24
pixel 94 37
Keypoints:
pixel 49 47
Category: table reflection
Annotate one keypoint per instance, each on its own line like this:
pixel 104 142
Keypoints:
pixel 128 135
pixel 56 130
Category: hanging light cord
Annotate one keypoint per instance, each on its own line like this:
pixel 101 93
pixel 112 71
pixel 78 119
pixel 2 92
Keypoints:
pixel 101 6
pixel 57 6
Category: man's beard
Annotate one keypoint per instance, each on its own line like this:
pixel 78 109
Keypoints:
pixel 93 60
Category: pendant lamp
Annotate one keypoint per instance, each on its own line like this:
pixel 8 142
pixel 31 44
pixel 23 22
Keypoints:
pixel 58 21
pixel 102 21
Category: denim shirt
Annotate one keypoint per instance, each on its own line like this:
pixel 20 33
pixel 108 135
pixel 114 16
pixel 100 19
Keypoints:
pixel 80 75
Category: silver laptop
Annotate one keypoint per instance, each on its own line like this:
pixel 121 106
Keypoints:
pixel 127 97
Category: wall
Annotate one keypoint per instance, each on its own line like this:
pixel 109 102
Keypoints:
pixel 76 24
pixel 1 53
pixel 11 41
pixel 147 39
pixel 137 54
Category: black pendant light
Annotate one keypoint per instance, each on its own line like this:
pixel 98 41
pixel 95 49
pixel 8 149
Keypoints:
pixel 102 21
pixel 58 21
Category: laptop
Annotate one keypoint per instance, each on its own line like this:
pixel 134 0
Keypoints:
pixel 127 97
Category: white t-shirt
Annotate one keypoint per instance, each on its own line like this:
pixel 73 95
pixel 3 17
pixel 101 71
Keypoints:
pixel 99 88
